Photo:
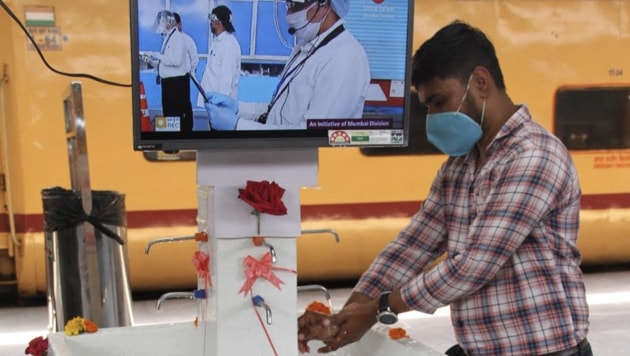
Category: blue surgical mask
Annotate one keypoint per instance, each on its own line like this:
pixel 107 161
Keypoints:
pixel 454 132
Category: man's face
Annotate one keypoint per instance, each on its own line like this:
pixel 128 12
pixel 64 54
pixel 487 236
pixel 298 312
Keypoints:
pixel 170 23
pixel 442 95
pixel 215 25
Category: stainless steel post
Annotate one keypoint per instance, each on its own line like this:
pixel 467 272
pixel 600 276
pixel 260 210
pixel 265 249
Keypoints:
pixel 86 269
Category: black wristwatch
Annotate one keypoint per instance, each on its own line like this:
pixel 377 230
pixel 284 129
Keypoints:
pixel 385 314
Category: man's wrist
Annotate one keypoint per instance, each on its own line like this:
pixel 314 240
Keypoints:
pixel 384 313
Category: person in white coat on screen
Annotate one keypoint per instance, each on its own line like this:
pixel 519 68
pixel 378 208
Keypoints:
pixel 189 44
pixel 326 77
pixel 223 68
pixel 173 70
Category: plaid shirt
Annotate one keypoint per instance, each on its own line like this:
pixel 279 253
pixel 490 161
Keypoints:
pixel 511 274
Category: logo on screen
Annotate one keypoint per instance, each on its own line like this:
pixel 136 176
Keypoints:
pixel 167 123
pixel 336 137
pixel 397 136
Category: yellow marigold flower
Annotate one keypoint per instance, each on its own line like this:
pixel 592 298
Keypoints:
pixel 74 326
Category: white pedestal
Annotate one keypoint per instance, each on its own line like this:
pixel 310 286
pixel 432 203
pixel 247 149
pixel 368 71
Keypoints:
pixel 233 326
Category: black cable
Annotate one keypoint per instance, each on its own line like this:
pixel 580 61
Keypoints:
pixel 41 55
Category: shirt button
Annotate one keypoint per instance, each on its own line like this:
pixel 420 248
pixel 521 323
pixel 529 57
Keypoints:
pixel 460 323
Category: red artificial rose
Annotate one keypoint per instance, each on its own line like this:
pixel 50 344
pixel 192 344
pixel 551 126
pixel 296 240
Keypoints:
pixel 263 196
pixel 37 347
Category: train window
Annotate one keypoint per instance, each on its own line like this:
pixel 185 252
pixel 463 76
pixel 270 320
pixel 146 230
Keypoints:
pixel 418 143
pixel 591 118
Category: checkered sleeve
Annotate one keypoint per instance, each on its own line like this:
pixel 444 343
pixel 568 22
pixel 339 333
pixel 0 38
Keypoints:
pixel 508 206
pixel 417 245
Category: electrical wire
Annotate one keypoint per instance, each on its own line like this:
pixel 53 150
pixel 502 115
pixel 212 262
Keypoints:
pixel 41 55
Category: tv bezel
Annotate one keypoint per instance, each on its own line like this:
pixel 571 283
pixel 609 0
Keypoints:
pixel 199 140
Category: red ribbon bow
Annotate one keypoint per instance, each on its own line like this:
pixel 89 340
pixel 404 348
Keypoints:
pixel 263 268
pixel 201 260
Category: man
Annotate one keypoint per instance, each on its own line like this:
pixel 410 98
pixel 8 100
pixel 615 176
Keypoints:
pixel 504 207
pixel 173 72
pixel 326 76
pixel 192 58
pixel 223 68
pixel 190 45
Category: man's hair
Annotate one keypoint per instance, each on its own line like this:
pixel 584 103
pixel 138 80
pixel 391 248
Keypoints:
pixel 178 19
pixel 454 52
pixel 224 14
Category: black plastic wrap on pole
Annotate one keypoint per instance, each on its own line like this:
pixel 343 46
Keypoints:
pixel 63 210
pixel 86 258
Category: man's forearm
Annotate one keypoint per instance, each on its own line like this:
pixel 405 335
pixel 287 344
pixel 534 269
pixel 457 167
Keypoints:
pixel 395 301
pixel 358 298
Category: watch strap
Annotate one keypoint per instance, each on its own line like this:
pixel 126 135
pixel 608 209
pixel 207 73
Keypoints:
pixel 383 302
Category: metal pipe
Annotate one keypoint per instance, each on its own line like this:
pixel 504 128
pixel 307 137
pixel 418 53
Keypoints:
pixel 322 231
pixel 274 259
pixel 166 240
pixel 196 294
pixel 318 287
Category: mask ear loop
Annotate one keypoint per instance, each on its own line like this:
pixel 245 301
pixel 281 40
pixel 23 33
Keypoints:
pixel 483 112
pixel 319 5
pixel 465 93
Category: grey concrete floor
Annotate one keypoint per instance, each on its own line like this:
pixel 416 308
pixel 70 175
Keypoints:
pixel 608 294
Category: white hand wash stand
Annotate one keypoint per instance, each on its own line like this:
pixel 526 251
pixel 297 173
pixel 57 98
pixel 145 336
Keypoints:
pixel 233 327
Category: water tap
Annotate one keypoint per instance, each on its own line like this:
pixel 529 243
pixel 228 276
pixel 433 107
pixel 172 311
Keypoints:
pixel 260 302
pixel 311 287
pixel 320 231
pixel 196 294
pixel 166 240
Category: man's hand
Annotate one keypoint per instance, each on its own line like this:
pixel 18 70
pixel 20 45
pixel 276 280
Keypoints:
pixel 222 100
pixel 354 321
pixel 150 60
pixel 221 118
pixel 314 326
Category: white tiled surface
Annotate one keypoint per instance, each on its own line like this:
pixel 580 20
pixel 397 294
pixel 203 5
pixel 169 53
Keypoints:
pixel 608 296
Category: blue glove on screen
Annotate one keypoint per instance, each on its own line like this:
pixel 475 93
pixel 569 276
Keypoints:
pixel 222 100
pixel 221 118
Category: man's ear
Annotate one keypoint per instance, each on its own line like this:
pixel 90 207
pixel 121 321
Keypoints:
pixel 482 81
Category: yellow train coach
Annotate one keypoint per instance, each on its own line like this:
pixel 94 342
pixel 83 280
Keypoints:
pixel 565 59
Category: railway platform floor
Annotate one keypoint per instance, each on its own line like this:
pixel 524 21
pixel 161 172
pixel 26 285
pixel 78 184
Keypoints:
pixel 608 293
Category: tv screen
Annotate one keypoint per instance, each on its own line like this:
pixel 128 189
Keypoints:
pixel 270 73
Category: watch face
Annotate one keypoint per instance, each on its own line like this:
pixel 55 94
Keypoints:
pixel 387 318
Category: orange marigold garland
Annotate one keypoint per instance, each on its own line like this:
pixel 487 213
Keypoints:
pixel 397 333
pixel 318 307
pixel 258 240
pixel 90 326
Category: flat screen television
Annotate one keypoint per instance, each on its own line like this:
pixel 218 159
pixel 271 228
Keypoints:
pixel 382 27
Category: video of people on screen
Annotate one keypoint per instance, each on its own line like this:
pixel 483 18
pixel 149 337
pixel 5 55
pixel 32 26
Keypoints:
pixel 271 65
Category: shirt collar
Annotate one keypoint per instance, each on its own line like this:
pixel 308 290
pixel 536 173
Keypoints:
pixel 221 36
pixel 521 116
pixel 517 119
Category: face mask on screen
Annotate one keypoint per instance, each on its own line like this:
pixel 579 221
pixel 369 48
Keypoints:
pixel 300 26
